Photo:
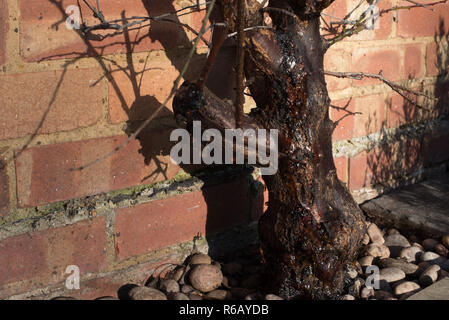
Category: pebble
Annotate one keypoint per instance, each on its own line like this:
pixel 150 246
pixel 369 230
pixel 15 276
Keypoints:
pixel 169 285
pixel 442 273
pixel 433 258
pixel 416 244
pixel 445 240
pixel 177 296
pixel 271 296
pixel 186 288
pixel 232 268
pixel 411 254
pixel 354 289
pixel 194 296
pixel 219 295
pixel 441 250
pixel 63 298
pixel 146 293
pixel 391 274
pixel 375 234
pixel 408 268
pixel 396 242
pixel 366 293
pixel 429 276
pixel 205 277
pixel 200 258
pixel 376 250
pixel 429 244
pixel 348 297
pixel 106 298
pixel 406 287
pixel 392 231
pixel 178 273
pixel 254 296
pixel 366 261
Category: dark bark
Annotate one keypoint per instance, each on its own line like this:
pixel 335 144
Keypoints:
pixel 312 227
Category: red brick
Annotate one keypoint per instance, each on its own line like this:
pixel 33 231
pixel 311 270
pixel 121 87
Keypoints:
pixel 44 175
pixel 422 22
pixel 383 27
pixel 40 40
pixel 4 28
pixel 48 102
pixel 4 187
pixel 345 127
pixel 166 222
pixel 341 165
pixel 413 61
pixel 337 60
pixel 197 22
pixel 432 61
pixel 40 258
pixel 373 60
pixel 359 172
pixel 128 101
pixel 400 111
pixel 332 14
pixel 371 117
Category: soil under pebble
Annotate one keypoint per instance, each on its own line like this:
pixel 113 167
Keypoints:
pixel 390 267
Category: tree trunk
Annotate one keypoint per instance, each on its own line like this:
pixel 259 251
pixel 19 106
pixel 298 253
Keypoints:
pixel 312 226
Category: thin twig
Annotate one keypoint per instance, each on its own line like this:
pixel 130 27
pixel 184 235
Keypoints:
pixel 240 98
pixel 397 88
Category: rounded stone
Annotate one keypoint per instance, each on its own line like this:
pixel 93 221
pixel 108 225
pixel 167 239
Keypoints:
pixel 365 239
pixel 429 244
pixel 169 285
pixel 433 258
pixel 200 258
pixel 271 296
pixel 366 261
pixel 106 298
pixel 195 296
pixel 391 274
pixel 366 293
pixel 178 273
pixel 63 298
pixel 445 240
pixel 406 287
pixel 396 242
pixel 205 277
pixel 146 293
pixel 375 234
pixel 440 249
pixel 186 288
pixel 429 276
pixel 348 297
pixel 392 231
pixel 177 296
pixel 410 254
pixel 382 295
pixel 376 250
pixel 408 268
pixel 219 295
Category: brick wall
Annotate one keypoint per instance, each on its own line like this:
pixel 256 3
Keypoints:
pixel 66 101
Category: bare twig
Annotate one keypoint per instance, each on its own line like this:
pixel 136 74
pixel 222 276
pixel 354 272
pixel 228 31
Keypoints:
pixel 172 93
pixel 240 98
pixel 395 87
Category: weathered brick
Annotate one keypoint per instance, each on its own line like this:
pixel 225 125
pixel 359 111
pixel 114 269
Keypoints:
pixel 4 186
pixel 371 117
pixel 345 127
pixel 44 175
pixel 40 258
pixel 137 98
pixel 44 36
pixel 45 102
pixel 4 28
pixel 413 61
pixel 400 111
pixel 337 60
pixel 373 60
pixel 160 223
pixel 341 164
pixel 359 172
pixel 422 22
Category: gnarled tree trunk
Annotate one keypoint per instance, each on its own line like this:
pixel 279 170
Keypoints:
pixel 312 227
